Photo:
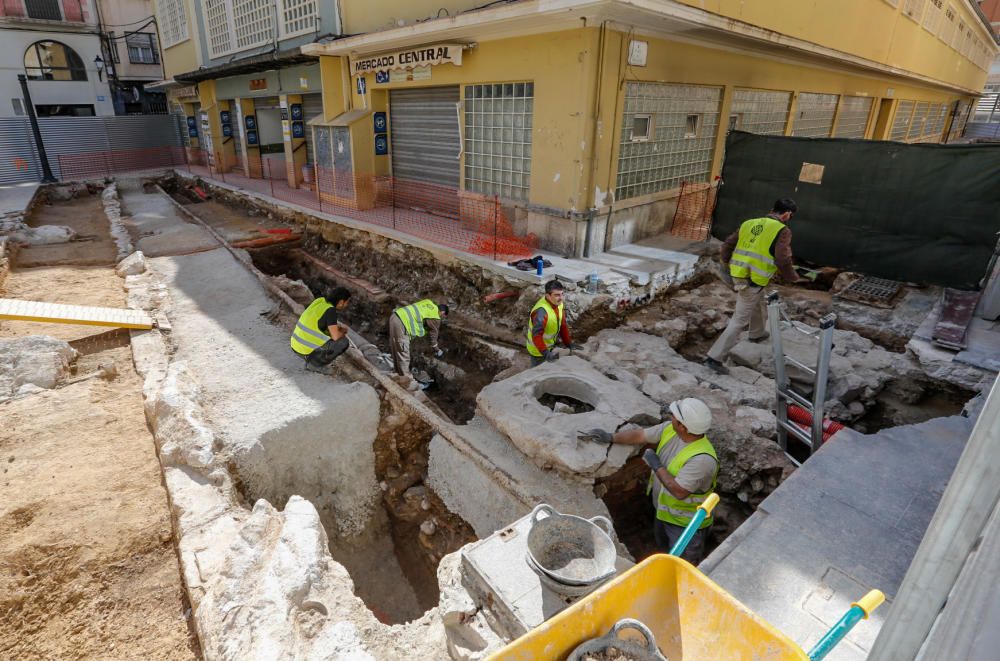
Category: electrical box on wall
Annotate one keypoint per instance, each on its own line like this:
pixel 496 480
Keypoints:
pixel 637 51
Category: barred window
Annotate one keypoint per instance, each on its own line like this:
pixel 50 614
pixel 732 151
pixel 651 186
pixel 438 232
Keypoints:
pixel 253 22
pixel 853 119
pixel 220 29
pixel 498 121
pixel 173 22
pixel 683 128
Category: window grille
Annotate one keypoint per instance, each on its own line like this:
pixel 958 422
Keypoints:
pixel 253 22
pixel 172 22
pixel 498 121
pixel 668 157
pixel 298 17
pixel 220 29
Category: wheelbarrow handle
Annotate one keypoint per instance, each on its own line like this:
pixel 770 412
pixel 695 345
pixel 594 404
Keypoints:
pixel 699 517
pixel 860 610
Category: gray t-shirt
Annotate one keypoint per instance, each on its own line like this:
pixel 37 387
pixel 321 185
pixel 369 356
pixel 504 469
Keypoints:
pixel 695 475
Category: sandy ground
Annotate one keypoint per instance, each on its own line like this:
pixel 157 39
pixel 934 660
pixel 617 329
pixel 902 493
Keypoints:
pixel 84 214
pixel 88 567
pixel 72 285
pixel 87 562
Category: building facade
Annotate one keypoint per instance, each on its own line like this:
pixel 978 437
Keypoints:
pixel 132 56
pixel 235 73
pixel 56 44
pixel 988 107
pixel 585 117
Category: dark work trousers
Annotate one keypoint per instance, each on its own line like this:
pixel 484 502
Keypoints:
pixel 327 353
pixel 666 536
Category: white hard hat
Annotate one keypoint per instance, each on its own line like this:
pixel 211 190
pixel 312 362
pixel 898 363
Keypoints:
pixel 693 413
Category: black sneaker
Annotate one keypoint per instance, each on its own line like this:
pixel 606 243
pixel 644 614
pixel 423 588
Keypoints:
pixel 715 366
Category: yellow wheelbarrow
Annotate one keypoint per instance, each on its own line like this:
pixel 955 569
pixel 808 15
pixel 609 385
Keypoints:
pixel 690 617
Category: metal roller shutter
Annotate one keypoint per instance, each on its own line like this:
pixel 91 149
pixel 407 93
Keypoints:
pixel 312 106
pixel 424 130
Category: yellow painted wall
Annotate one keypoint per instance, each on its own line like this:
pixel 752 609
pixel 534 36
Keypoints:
pixel 185 56
pixel 359 17
pixel 576 128
pixel 872 29
pixel 561 67
pixel 672 62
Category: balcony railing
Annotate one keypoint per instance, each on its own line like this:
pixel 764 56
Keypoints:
pixel 70 11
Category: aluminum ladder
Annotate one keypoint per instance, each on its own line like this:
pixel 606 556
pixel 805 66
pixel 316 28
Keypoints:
pixel 777 320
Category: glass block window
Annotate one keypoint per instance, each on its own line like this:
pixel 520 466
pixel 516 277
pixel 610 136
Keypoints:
pixel 172 21
pixel 853 119
pixel 917 125
pixel 678 149
pixel 901 122
pixel 220 30
pixel 253 21
pixel 814 115
pixel 760 111
pixel 498 120
pixel 298 17
pixel 947 30
pixel 936 123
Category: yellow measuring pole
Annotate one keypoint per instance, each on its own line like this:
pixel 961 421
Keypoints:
pixel 85 315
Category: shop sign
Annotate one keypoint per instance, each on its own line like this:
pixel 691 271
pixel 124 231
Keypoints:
pixel 258 84
pixel 423 56
pixel 417 73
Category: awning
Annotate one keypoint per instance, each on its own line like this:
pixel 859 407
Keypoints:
pixel 253 64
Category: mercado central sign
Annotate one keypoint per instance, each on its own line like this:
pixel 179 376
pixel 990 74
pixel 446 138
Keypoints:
pixel 421 56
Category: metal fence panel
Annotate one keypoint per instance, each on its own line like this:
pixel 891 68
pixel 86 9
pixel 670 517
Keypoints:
pixel 18 160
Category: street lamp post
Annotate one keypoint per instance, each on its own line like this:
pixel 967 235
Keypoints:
pixel 47 177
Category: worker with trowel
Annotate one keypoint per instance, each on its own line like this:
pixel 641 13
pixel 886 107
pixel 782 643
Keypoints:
pixel 411 321
pixel 547 324
pixel 684 470
pixel 753 254
pixel 319 336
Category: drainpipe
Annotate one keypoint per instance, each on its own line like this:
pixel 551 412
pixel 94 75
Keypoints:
pixel 590 228
pixel 29 107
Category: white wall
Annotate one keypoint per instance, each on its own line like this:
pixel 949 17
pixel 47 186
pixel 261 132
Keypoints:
pixel 44 92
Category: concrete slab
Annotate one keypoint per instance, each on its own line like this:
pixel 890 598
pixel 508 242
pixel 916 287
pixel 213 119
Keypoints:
pixel 16 198
pixel 550 438
pixel 475 495
pixel 649 264
pixel 161 229
pixel 847 521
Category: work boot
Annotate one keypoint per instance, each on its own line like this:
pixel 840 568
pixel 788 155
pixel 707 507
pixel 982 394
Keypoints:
pixel 760 338
pixel 715 366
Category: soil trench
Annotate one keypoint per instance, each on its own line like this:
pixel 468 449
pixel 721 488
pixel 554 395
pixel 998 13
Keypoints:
pixel 88 567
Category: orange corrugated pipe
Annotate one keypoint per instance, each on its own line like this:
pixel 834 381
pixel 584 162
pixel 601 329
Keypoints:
pixel 489 298
pixel 800 416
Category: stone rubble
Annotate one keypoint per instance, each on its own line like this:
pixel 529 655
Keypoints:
pixel 33 363
pixel 113 210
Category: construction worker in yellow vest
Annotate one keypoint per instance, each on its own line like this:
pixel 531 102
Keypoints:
pixel 411 321
pixel 319 336
pixel 760 248
pixel 547 324
pixel 684 469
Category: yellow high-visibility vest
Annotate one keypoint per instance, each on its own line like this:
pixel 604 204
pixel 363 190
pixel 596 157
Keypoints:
pixel 413 316
pixel 752 257
pixel 552 324
pixel 306 336
pixel 673 510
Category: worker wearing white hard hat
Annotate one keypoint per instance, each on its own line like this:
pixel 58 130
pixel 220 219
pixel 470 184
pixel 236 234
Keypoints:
pixel 684 468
